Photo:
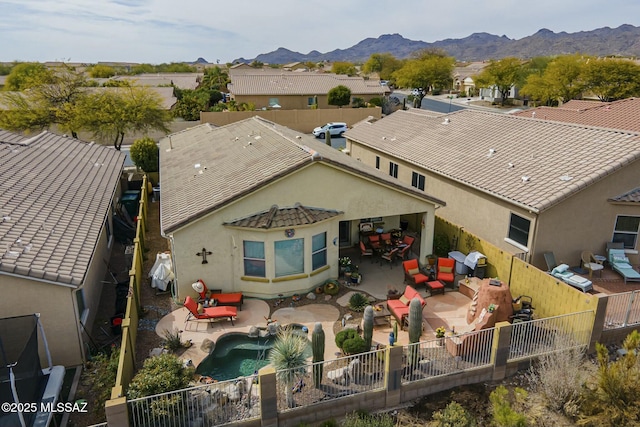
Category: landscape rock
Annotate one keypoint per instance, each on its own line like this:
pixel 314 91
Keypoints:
pixel 311 296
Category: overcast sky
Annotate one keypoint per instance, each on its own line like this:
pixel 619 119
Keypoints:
pixel 157 31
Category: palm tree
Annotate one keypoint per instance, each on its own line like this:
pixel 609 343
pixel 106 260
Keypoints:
pixel 288 358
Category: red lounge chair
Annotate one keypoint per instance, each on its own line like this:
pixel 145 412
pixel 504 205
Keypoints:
pixel 234 298
pixel 209 313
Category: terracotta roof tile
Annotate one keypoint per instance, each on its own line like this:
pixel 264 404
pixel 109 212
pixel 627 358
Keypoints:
pixel 558 159
pixel 632 196
pixel 623 114
pixel 284 217
pixel 55 193
pixel 291 83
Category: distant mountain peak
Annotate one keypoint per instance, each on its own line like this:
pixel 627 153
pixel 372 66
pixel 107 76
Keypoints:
pixel 478 46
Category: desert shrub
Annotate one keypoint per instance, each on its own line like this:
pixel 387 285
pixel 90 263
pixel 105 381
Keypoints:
pixel 159 374
pixel 172 339
pixel 363 419
pixel 358 102
pixel 358 301
pixel 612 398
pixel 101 371
pixel 376 101
pixel 355 345
pixel 453 415
pixel 145 154
pixel 502 407
pixel 344 335
pixel 560 377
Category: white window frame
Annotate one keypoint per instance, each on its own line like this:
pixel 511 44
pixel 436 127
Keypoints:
pixel 322 249
pixel 299 256
pixel 510 238
pixel 418 180
pixel 253 259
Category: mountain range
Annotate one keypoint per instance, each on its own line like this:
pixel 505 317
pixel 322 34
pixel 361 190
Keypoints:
pixel 622 41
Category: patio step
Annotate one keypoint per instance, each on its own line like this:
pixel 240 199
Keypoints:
pixel 469 289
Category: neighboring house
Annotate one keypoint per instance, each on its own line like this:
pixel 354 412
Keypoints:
pixel 268 208
pixel 179 80
pixel 290 90
pixel 463 76
pixel 56 200
pixel 525 185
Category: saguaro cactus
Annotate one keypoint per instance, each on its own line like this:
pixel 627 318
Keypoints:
pixel 367 326
pixel 415 329
pixel 415 320
pixel 317 345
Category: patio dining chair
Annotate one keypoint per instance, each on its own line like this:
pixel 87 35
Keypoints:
pixel 364 252
pixel 591 263
pixel 389 256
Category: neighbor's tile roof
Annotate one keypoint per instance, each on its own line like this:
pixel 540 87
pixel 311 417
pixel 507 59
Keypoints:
pixel 558 159
pixel 55 193
pixel 205 168
pixel 179 80
pixel 623 114
pixel 277 217
pixel 632 196
pixel 292 83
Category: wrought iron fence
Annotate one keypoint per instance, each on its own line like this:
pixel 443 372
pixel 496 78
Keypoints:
pixel 205 405
pixel 330 379
pixel 446 355
pixel 536 337
pixel 622 310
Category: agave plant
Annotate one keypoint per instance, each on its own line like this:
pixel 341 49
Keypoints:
pixel 288 358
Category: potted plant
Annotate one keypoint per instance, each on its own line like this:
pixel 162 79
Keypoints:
pixel 345 264
pixel 440 331
pixel 355 277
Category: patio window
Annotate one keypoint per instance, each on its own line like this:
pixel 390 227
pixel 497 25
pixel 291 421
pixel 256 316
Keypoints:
pixel 319 251
pixel 254 263
pixel 519 229
pixel 311 101
pixel 289 257
pixel 626 230
pixel 393 169
pixel 273 103
pixel 417 180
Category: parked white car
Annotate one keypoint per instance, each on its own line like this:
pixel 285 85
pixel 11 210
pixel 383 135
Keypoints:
pixel 334 128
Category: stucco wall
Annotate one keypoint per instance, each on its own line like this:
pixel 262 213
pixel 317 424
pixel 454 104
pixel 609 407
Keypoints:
pixel 480 214
pixel 304 120
pixel 293 102
pixel 57 306
pixel 586 220
pixel 317 185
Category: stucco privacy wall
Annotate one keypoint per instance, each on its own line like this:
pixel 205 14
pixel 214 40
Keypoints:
pixel 498 260
pixel 301 120
pixel 551 297
pixel 490 215
pixel 357 197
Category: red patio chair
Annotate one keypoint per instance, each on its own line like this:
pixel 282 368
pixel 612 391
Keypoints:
pixel 209 313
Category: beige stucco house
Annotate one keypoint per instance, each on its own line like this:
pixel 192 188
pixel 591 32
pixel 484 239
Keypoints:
pixel 270 207
pixel 56 200
pixel 270 88
pixel 525 185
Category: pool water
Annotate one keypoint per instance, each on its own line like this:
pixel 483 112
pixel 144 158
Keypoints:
pixel 237 354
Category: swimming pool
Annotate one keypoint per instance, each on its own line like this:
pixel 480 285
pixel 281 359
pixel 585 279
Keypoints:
pixel 237 354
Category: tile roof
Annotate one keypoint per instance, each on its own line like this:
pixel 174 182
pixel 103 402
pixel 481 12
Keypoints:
pixel 205 168
pixel 55 193
pixel 623 114
pixel 293 83
pixel 632 196
pixel 277 217
pixel 179 80
pixel 528 162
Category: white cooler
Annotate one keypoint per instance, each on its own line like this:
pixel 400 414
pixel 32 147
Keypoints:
pixel 460 267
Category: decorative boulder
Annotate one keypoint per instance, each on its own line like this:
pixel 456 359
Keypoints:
pixel 311 296
pixel 254 332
